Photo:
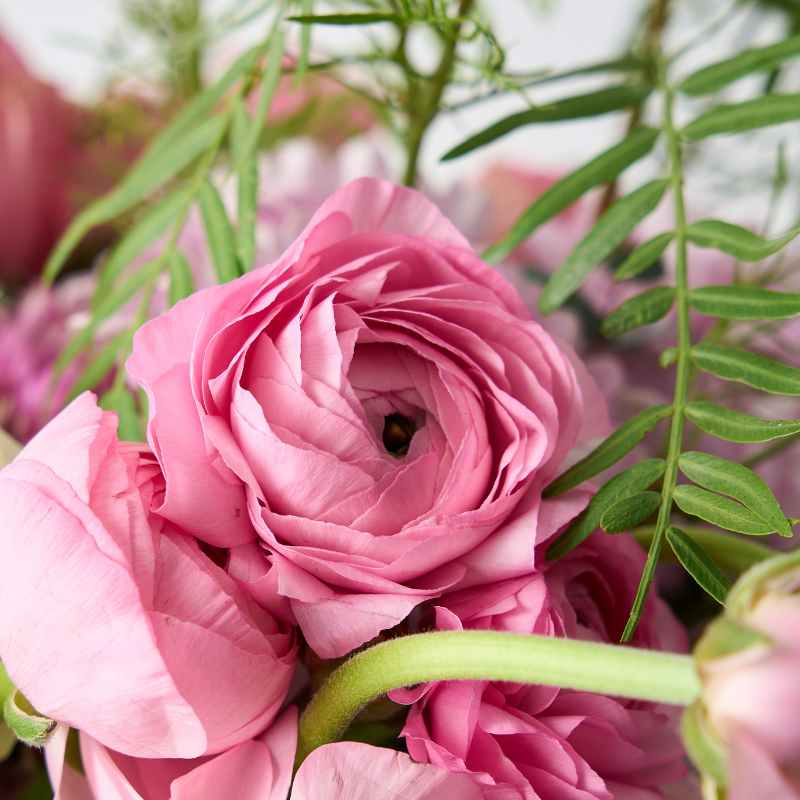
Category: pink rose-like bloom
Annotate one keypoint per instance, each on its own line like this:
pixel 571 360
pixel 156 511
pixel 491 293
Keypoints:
pixel 112 620
pixel 36 158
pixel 752 697
pixel 355 771
pixel 377 404
pixel 257 769
pixel 523 742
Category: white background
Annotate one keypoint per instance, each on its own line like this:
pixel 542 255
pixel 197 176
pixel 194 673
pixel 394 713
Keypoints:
pixel 64 41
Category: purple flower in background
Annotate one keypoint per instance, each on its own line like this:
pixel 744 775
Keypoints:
pixel 32 333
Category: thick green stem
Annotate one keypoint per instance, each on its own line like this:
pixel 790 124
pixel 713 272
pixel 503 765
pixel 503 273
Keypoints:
pixel 432 98
pixel 683 368
pixel 491 655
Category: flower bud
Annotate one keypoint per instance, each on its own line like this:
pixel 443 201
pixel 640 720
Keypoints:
pixel 745 731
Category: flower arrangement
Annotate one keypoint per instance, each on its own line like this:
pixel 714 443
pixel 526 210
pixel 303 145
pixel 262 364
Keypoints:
pixel 330 486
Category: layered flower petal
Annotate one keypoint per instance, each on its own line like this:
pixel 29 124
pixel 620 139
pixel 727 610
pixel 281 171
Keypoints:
pixel 115 622
pixel 382 400
pixel 354 771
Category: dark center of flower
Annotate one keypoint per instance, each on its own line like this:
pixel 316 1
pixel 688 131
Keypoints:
pixel 397 433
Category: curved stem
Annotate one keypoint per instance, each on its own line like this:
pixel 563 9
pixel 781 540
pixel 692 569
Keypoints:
pixel 491 655
pixel 683 368
pixel 731 552
pixel 432 98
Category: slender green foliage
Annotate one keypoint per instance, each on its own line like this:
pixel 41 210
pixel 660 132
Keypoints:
pixel 601 169
pixel 698 564
pixel 610 231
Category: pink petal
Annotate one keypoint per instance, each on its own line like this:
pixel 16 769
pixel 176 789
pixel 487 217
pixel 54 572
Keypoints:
pixel 354 771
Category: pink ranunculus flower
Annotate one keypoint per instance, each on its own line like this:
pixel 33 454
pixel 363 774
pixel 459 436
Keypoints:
pixel 36 159
pixel 752 696
pixel 113 620
pixel 355 771
pixel 377 404
pixel 257 769
pixel 525 742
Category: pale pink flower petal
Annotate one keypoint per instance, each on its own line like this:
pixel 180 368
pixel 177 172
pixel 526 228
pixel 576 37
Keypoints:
pixel 354 771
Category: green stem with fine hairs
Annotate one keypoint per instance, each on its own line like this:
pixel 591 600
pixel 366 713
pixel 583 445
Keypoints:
pixel 683 367
pixel 496 656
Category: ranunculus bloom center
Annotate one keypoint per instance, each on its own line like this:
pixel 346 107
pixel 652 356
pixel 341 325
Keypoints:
pixel 397 433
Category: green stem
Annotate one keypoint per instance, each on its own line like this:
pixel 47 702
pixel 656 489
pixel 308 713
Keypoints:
pixel 491 655
pixel 432 98
pixel 730 552
pixel 683 368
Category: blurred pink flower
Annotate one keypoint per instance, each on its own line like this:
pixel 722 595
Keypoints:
pixel 318 106
pixel 32 333
pixel 523 742
pixel 36 159
pixel 114 621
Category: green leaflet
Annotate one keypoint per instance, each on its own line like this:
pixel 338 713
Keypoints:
pixel 99 366
pixel 716 76
pixel 219 232
pixel 603 101
pixel 770 109
pixel 29 725
pixel 610 231
pixel 734 426
pixel 744 302
pixel 248 145
pixel 246 187
pixel 609 451
pixel 307 10
pixel 601 169
pixel 742 366
pixel 735 240
pixel 111 303
pixel 140 235
pixel 719 510
pixel 628 63
pixel 643 309
pixel 737 481
pixel 153 170
pixel 668 357
pixel 192 131
pixel 644 256
pixel 630 512
pixel 346 19
pixel 181 280
pixel 631 481
pixel 698 564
